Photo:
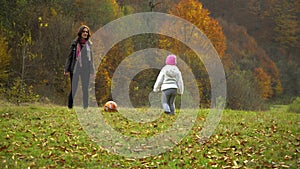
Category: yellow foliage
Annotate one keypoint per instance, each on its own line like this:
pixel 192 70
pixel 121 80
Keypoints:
pixel 4 59
pixel 53 12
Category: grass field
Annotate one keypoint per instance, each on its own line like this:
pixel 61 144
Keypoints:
pixel 37 136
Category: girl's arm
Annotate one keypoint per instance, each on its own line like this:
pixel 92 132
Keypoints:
pixel 158 82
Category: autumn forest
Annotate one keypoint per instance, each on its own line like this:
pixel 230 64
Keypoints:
pixel 257 41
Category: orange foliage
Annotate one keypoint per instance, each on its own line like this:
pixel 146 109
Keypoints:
pixel 264 81
pixel 271 68
pixel 246 54
pixel 193 11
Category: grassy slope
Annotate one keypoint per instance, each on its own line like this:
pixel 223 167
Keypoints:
pixel 50 136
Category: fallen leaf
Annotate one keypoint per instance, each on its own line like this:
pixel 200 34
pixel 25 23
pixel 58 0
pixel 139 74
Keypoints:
pixel 285 166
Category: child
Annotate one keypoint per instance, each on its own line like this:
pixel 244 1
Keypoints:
pixel 169 81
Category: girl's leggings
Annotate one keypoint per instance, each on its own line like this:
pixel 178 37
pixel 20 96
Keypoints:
pixel 168 99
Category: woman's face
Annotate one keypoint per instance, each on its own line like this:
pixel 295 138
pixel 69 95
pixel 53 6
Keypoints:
pixel 85 33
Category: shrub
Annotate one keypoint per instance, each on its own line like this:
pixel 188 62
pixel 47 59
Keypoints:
pixel 242 92
pixel 20 92
pixel 295 106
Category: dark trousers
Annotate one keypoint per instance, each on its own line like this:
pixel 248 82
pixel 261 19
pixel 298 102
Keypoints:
pixel 168 99
pixel 85 79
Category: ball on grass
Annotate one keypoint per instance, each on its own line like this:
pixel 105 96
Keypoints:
pixel 110 106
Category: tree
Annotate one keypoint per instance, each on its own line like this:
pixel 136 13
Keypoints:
pixel 4 60
pixel 286 23
pixel 264 81
pixel 246 55
pixel 96 13
pixel 193 11
pixel 108 66
pixel 242 92
pixel 274 25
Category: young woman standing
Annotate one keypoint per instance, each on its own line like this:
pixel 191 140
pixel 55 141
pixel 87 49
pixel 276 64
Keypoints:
pixel 80 64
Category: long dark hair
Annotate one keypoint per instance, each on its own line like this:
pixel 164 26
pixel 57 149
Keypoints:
pixel 80 30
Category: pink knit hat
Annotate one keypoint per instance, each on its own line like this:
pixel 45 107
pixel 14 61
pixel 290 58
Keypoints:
pixel 171 60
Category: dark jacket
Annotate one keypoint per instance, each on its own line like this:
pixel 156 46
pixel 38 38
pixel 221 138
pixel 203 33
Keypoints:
pixel 72 59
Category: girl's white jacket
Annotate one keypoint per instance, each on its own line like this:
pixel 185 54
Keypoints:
pixel 169 77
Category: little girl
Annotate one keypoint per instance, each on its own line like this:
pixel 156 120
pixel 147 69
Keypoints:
pixel 169 81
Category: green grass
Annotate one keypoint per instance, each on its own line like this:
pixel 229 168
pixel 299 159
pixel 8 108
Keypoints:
pixel 38 136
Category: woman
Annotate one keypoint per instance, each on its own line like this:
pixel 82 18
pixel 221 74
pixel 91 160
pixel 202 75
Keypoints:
pixel 80 64
pixel 169 81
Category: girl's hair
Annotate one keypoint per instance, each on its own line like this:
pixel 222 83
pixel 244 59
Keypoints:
pixel 80 30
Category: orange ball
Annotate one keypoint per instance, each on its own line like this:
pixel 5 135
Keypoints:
pixel 110 106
